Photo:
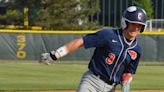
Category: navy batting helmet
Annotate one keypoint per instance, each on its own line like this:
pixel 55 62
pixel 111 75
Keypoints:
pixel 134 14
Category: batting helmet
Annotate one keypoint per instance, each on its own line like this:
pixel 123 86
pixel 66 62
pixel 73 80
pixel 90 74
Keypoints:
pixel 134 14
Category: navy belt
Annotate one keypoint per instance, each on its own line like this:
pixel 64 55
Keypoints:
pixel 105 79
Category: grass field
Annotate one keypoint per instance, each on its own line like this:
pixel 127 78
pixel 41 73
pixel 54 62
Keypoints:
pixel 34 76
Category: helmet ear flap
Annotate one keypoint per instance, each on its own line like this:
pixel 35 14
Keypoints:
pixel 142 28
pixel 123 23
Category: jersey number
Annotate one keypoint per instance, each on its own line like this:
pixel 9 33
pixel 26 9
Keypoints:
pixel 109 60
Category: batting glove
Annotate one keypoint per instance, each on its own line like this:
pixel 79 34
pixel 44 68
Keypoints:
pixel 47 58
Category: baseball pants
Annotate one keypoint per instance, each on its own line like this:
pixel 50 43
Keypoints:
pixel 91 83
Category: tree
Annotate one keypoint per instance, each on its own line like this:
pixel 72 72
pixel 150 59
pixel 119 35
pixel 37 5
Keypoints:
pixel 11 16
pixel 147 6
pixel 67 14
pixel 14 11
pixel 32 5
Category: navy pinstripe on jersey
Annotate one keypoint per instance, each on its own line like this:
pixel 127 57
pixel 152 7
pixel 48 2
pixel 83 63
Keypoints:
pixel 113 55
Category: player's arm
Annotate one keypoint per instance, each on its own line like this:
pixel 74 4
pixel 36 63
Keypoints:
pixel 74 45
pixel 125 83
pixel 130 71
pixel 48 58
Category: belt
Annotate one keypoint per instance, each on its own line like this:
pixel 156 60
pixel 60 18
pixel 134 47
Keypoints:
pixel 105 79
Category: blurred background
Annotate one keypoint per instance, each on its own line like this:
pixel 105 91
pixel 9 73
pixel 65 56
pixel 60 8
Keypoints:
pixel 31 27
pixel 74 14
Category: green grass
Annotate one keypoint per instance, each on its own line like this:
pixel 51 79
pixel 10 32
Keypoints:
pixel 34 76
pixel 149 77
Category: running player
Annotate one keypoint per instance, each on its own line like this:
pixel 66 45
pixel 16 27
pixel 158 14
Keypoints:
pixel 116 54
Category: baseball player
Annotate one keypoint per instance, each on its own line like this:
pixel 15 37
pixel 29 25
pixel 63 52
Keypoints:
pixel 116 54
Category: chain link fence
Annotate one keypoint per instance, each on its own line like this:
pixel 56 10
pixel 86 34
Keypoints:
pixel 111 11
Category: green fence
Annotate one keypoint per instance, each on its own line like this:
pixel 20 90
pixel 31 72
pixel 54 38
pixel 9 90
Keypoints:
pixel 28 44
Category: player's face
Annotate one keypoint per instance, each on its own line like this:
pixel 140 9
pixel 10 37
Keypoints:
pixel 132 30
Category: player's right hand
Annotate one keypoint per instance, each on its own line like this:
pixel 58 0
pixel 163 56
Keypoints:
pixel 46 59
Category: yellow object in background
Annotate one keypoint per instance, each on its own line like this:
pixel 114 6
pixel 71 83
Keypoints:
pixel 26 23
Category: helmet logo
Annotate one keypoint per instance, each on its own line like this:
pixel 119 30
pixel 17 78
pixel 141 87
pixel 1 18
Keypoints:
pixel 139 16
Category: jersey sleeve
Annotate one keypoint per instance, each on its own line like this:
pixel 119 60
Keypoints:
pixel 97 39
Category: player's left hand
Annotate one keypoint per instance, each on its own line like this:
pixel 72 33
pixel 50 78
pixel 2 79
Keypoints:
pixel 46 59
pixel 126 80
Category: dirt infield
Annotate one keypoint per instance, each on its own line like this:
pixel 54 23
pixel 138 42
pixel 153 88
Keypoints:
pixel 116 91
